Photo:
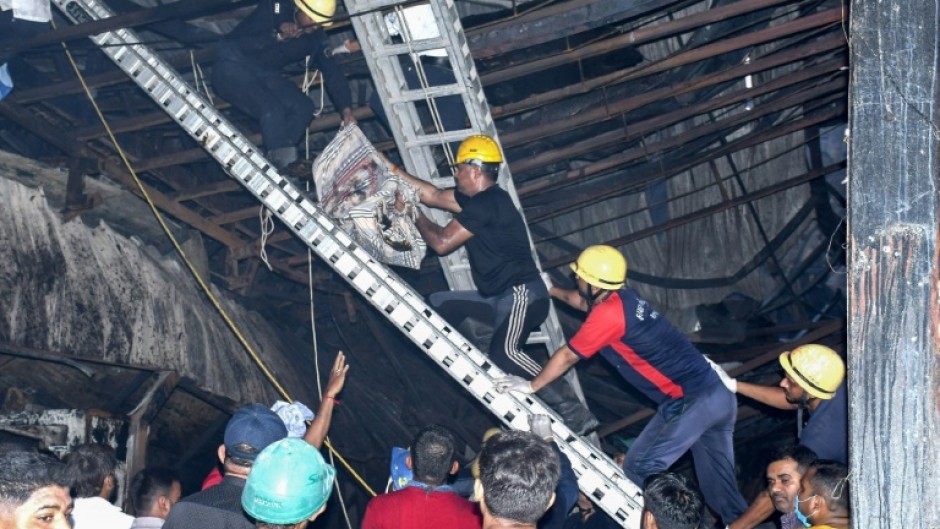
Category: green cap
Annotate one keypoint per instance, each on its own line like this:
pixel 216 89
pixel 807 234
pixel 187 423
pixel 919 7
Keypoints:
pixel 288 483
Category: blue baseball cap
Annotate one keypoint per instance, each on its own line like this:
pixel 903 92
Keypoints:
pixel 253 425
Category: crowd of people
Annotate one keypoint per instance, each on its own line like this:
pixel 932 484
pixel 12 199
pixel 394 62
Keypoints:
pixel 286 483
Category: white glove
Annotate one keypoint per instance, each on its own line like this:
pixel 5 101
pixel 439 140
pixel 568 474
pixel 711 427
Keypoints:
pixel 548 280
pixel 730 383
pixel 339 50
pixel 541 425
pixel 513 383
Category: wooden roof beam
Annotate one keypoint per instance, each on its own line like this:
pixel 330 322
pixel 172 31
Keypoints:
pixel 613 111
pixel 705 212
pixel 140 17
pixel 54 136
pixel 618 161
pixel 637 129
pixel 631 38
pixel 553 22
pixel 737 145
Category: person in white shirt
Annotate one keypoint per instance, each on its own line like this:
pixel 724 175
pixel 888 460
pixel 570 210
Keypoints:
pixel 151 494
pixel 91 473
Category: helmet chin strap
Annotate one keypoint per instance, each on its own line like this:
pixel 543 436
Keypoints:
pixel 591 296
pixel 803 405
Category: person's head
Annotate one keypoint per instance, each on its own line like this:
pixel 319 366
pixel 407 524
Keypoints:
pixel 824 493
pixel 91 471
pixel 475 466
pixel 153 492
pixel 288 486
pixel 670 501
pixel 34 492
pixel 250 430
pixel 812 372
pixel 315 12
pixel 432 455
pixel 599 269
pixel 478 161
pixel 784 472
pixel 518 475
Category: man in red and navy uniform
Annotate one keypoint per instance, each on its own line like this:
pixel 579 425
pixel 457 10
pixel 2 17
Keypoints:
pixel 695 411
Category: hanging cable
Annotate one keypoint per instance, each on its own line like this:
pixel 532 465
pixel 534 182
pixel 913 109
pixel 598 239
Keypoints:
pixel 266 222
pixel 192 269
pixel 405 32
pixel 199 79
pixel 316 365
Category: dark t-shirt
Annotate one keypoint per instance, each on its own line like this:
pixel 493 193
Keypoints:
pixel 826 432
pixel 218 507
pixel 649 352
pixel 254 40
pixel 500 256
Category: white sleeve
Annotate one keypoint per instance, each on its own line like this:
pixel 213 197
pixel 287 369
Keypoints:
pixel 31 10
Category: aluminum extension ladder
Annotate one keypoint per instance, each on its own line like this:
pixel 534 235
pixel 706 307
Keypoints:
pixel 598 476
pixel 420 150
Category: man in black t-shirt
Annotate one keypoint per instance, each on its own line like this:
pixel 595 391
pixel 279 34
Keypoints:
pixel 510 293
pixel 246 73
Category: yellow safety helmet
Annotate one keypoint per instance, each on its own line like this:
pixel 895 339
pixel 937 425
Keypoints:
pixel 601 266
pixel 816 368
pixel 479 147
pixel 320 11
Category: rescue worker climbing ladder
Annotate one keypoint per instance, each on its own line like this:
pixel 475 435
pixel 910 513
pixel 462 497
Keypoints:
pixel 695 410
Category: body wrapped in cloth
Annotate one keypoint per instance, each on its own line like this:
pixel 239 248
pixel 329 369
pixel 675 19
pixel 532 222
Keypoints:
pixel 357 188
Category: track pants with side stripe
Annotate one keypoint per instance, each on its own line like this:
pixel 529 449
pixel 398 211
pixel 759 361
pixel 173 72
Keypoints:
pixel 513 314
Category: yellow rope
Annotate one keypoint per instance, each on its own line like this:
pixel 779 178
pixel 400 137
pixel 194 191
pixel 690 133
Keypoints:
pixel 202 284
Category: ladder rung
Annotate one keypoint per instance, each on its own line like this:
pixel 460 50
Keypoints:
pixel 436 138
pixel 365 6
pixel 405 48
pixel 409 96
pixel 538 337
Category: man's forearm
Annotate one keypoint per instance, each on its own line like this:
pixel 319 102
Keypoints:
pixel 757 512
pixel 432 233
pixel 557 365
pixel 320 426
pixel 570 296
pixel 769 395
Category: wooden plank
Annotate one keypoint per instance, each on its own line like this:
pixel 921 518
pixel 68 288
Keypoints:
pixel 554 22
pixel 631 38
pixel 140 17
pixel 702 213
pixel 685 163
pixel 113 77
pixel 591 117
pixel 214 188
pixel 639 129
pixel 141 417
pixel 237 215
pixel 894 265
